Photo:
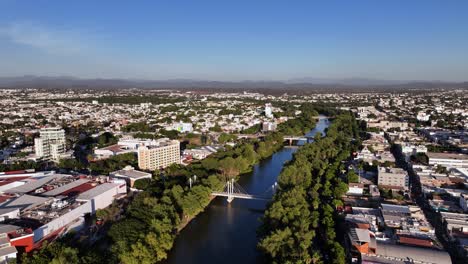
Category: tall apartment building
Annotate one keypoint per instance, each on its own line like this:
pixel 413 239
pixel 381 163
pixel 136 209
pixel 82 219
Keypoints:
pixel 393 178
pixel 50 144
pixel 160 154
pixel 268 110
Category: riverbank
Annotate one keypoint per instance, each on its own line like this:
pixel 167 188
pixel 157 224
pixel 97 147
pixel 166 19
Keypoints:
pixel 301 220
pixel 231 227
pixel 187 220
pixel 148 229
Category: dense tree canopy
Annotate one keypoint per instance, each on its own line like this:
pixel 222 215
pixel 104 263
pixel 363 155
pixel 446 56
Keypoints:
pixel 299 224
pixel 147 230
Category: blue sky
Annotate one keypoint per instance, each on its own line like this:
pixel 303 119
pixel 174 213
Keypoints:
pixel 236 40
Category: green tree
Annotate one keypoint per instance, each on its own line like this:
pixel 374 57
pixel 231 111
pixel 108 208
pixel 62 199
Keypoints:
pixel 228 167
pixel 352 176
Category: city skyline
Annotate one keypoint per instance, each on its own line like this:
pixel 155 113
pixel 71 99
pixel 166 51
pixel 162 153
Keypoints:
pixel 421 40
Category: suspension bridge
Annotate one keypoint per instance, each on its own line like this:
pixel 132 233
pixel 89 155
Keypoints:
pixel 233 190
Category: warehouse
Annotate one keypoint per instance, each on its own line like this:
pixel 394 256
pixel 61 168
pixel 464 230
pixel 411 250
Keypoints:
pixel 103 195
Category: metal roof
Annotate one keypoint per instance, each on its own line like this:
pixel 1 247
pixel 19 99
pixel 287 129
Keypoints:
pixel 33 185
pixel 8 228
pixel 24 202
pixel 134 174
pixel 396 208
pixel 359 234
pixel 65 187
pixel 7 251
pixel 442 155
pixel 410 254
pixel 4 240
pixel 90 194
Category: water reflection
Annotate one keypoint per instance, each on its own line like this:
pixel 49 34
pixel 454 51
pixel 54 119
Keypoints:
pixel 226 233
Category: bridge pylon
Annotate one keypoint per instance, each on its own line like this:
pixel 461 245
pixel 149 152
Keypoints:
pixel 230 190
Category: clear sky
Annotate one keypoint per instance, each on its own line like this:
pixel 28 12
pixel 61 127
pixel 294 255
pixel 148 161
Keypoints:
pixel 236 39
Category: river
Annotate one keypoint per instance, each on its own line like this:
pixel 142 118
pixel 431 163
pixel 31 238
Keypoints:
pixel 226 232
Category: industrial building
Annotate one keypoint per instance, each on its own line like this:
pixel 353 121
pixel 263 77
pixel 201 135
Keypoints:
pixel 130 175
pixel 450 160
pixel 42 206
pixel 394 234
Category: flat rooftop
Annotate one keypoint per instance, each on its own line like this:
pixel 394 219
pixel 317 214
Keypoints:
pixel 441 155
pixel 24 202
pixel 66 187
pixel 5 228
pixel 410 253
pixel 47 212
pixel 34 184
pixel 90 194
pixel 361 235
pixel 133 174
pixel 396 208
pixel 79 189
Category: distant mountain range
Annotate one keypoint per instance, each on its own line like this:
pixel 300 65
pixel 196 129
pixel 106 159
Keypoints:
pixel 30 81
pixel 352 81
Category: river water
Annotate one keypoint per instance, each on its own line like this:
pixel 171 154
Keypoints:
pixel 226 232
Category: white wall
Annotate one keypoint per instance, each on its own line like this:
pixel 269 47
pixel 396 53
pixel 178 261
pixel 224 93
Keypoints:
pixel 10 215
pixel 62 221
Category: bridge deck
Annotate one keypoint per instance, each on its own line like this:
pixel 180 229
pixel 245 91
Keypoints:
pixel 240 196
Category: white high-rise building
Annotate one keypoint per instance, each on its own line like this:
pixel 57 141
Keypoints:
pixel 268 111
pixel 50 144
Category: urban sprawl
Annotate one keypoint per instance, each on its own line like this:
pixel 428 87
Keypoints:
pixel 75 165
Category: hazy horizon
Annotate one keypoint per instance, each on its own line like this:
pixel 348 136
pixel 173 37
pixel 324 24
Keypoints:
pixel 312 80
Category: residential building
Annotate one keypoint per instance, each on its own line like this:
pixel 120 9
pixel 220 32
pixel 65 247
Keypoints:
pixel 268 111
pixel 356 189
pixel 269 126
pixel 423 117
pixel 51 143
pixel 123 146
pixel 393 178
pixel 386 125
pixel 181 127
pixel 134 143
pixel 161 154
pixel 113 150
pixel 201 152
pixel 457 227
